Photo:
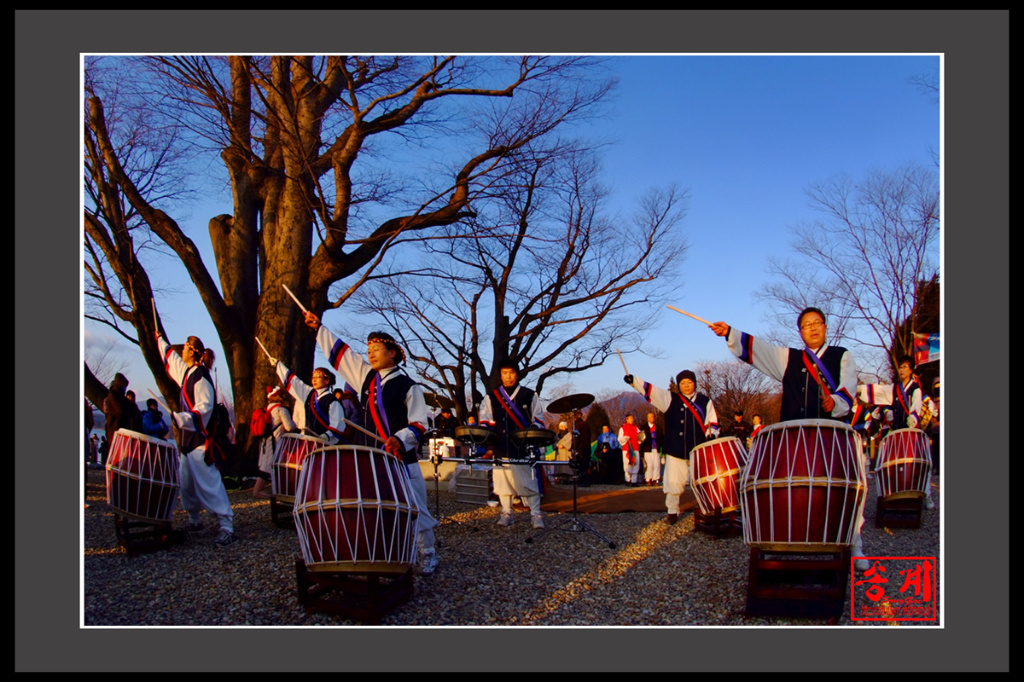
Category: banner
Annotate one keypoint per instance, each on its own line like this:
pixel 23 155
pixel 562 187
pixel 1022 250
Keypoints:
pixel 926 348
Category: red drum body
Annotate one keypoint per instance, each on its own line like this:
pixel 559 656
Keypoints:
pixel 804 487
pixel 904 464
pixel 142 476
pixel 715 467
pixel 289 454
pixel 354 511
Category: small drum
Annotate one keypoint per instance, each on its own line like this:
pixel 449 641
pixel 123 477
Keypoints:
pixel 142 476
pixel 804 487
pixel 714 472
pixel 354 511
pixel 536 437
pixel 475 435
pixel 291 451
pixel 904 465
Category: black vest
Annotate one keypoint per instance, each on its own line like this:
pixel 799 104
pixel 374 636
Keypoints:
pixel 505 425
pixel 801 395
pixel 319 421
pixel 682 431
pixel 899 412
pixel 190 440
pixel 393 392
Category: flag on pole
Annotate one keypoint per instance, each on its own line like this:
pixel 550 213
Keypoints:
pixel 926 348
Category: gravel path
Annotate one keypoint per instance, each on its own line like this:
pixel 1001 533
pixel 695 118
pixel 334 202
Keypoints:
pixel 658 574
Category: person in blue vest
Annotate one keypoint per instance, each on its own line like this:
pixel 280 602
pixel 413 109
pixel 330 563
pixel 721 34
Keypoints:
pixel 198 476
pixel 392 405
pixel 690 419
pixel 819 381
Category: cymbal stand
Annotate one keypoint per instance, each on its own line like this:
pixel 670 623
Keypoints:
pixel 574 522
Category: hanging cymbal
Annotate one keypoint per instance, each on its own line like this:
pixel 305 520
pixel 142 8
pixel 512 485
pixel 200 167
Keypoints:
pixel 569 403
pixel 438 401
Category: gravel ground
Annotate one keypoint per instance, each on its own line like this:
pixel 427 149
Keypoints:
pixel 657 575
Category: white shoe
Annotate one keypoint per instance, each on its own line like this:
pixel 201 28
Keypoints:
pixel 857 552
pixel 928 504
pixel 537 521
pixel 428 563
pixel 505 520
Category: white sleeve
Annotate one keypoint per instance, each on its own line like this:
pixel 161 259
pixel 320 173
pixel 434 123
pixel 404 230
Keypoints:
pixel 767 358
pixel 846 391
pixel 295 387
pixel 711 423
pixel 659 397
pixel 349 365
pixel 173 363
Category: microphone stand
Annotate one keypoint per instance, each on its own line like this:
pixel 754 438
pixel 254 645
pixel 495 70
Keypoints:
pixel 573 524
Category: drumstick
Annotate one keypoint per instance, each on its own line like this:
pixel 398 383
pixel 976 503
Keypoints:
pixel 295 299
pixel 156 322
pixel 269 356
pixel 622 361
pixel 159 401
pixel 699 319
pixel 359 428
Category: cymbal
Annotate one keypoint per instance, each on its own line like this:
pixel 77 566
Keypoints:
pixel 569 403
pixel 438 401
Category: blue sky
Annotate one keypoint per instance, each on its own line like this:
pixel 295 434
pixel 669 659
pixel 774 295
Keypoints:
pixel 745 135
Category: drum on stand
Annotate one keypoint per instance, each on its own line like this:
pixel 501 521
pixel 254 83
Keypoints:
pixel 904 465
pixel 142 476
pixel 804 487
pixel 354 511
pixel 715 467
pixel 289 454
pixel 533 437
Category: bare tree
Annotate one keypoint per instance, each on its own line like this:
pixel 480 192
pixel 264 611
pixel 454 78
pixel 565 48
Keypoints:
pixel 862 261
pixel 311 148
pixel 738 387
pixel 540 277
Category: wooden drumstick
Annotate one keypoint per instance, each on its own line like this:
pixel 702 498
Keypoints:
pixel 295 299
pixel 699 319
pixel 622 361
pixel 159 401
pixel 269 356
pixel 368 433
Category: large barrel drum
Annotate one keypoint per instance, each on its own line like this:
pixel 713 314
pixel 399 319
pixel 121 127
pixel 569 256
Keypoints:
pixel 804 487
pixel 904 464
pixel 354 511
pixel 142 476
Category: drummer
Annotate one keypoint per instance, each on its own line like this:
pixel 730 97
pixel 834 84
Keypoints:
pixel 690 419
pixel 392 405
pixel 906 400
pixel 316 411
pixel 200 481
pixel 512 407
pixel 818 381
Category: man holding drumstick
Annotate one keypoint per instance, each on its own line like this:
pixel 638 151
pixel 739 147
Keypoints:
pixel 508 408
pixel 392 406
pixel 818 382
pixel 690 419
pixel 200 481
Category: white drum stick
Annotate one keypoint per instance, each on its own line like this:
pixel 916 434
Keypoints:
pixel 159 401
pixel 359 428
pixel 699 319
pixel 294 298
pixel 622 361
pixel 269 356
